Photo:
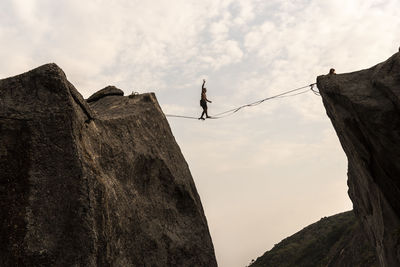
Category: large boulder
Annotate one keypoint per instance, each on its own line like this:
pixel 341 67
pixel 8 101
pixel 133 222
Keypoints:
pixel 103 184
pixel 364 108
pixel 107 91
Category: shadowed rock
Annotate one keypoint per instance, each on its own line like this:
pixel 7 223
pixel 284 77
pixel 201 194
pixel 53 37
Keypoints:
pixel 103 184
pixel 335 241
pixel 364 108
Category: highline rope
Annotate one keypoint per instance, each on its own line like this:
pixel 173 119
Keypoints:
pixel 230 112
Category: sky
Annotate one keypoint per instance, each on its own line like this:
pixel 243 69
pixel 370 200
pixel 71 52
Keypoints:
pixel 265 172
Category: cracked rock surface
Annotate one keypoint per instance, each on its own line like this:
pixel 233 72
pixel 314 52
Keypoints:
pixel 364 108
pixel 102 183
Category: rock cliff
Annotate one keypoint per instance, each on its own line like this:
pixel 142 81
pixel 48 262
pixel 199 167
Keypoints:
pixel 97 183
pixel 364 108
pixel 335 241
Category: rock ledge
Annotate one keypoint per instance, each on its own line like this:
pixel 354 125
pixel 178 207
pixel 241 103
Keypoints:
pixel 78 190
pixel 107 91
pixel 364 108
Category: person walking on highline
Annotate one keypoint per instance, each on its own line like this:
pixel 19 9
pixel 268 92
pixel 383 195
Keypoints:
pixel 203 101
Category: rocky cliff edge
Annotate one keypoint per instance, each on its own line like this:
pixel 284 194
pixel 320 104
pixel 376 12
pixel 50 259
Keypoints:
pixel 364 108
pixel 93 184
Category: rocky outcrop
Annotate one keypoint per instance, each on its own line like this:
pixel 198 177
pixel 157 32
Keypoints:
pixel 335 241
pixel 98 184
pixel 107 91
pixel 364 108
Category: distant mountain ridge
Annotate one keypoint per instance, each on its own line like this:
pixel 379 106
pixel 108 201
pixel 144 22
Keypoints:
pixel 335 241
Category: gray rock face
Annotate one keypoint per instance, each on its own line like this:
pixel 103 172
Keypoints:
pixel 103 184
pixel 364 108
pixel 107 91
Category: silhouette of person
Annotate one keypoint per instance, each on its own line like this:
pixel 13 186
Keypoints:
pixel 203 101
pixel 332 71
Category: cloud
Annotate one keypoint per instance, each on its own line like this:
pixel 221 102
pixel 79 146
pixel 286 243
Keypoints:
pixel 247 50
pixel 119 41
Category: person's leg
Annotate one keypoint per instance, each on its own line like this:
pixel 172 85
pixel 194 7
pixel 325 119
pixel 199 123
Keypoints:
pixel 206 113
pixel 202 114
pixel 204 106
pixel 206 109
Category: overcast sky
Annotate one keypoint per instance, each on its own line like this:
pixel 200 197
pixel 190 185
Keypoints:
pixel 265 172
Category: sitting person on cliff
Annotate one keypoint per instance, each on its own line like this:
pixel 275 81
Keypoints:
pixel 332 72
pixel 203 101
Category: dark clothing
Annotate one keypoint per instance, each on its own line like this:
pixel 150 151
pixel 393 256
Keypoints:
pixel 203 104
pixel 203 101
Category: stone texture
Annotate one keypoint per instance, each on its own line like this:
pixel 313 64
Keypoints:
pixel 103 184
pixel 107 91
pixel 364 108
pixel 335 241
